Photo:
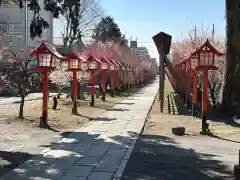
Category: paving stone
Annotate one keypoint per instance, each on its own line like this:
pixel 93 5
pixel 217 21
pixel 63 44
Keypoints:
pixel 72 178
pixel 64 163
pixel 109 163
pixel 100 176
pixel 87 161
pixel 116 151
pixel 79 171
pixel 97 150
pixel 77 148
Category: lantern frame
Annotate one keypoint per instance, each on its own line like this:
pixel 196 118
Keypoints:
pixel 194 61
pixel 105 64
pixel 47 56
pixel 112 67
pixel 93 63
pixel 117 67
pixel 74 60
pixel 120 66
pixel 183 66
pixel 205 55
pixel 188 64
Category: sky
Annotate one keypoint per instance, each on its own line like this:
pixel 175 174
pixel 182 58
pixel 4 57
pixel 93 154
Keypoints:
pixel 142 19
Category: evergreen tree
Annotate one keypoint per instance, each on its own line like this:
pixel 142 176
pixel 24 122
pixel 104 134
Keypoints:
pixel 107 30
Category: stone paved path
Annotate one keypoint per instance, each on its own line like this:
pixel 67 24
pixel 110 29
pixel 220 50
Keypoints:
pixel 98 151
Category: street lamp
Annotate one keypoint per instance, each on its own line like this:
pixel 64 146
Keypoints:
pixel 74 60
pixel 93 65
pixel 204 60
pixel 105 65
pixel 47 60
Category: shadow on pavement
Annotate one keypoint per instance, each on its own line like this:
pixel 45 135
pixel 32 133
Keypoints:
pixel 117 109
pixel 224 139
pixel 125 103
pixel 161 158
pixel 153 158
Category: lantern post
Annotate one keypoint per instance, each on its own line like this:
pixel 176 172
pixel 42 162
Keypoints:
pixel 130 70
pixel 74 60
pixel 115 74
pixel 126 75
pixel 112 69
pixel 188 78
pixel 134 74
pixel 122 71
pixel 104 67
pixel 93 65
pixel 194 61
pixel 205 56
pixel 119 74
pixel 183 75
pixel 47 59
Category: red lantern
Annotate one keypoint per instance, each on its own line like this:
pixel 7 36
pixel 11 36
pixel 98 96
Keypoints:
pixel 105 65
pixel 205 56
pixel 47 56
pixel 93 65
pixel 47 59
pixel 74 60
pixel 203 59
pixel 194 61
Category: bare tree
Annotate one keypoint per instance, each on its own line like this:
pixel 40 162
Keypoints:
pixel 17 75
pixel 80 20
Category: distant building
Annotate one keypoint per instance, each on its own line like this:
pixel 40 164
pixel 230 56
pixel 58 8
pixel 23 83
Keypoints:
pixel 133 44
pixel 141 51
pixel 17 22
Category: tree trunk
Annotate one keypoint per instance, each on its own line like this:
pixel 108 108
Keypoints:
pixel 20 115
pixel 59 92
pixel 212 94
pixel 232 77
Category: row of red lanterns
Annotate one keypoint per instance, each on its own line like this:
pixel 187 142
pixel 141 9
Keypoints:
pixel 48 58
pixel 202 60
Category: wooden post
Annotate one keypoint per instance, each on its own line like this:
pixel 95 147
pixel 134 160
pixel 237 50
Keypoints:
pixel 161 77
pixel 74 95
pixel 204 100
pixel 194 98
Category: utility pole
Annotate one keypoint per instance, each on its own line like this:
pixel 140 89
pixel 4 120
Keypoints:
pixel 195 33
pixel 213 32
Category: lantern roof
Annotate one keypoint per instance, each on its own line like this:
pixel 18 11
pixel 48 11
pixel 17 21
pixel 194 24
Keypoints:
pixel 187 60
pixel 99 54
pixel 119 64
pixel 208 46
pixel 115 63
pixel 90 57
pixel 49 47
pixel 104 60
